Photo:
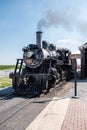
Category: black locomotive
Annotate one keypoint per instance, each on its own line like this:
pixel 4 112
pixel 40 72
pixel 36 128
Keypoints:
pixel 42 66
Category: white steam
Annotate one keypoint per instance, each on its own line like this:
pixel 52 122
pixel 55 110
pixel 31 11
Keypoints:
pixel 55 18
pixel 66 19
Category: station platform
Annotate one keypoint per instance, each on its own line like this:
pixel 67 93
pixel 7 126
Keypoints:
pixel 63 114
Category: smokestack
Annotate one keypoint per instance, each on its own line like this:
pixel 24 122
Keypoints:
pixel 38 38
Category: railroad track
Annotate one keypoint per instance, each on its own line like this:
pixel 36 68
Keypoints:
pixel 59 90
pixel 13 110
pixel 8 113
pixel 13 94
pixel 7 97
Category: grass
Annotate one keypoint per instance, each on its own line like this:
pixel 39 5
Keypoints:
pixel 7 67
pixel 5 81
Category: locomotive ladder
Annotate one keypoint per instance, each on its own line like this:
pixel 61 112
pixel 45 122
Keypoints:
pixel 18 66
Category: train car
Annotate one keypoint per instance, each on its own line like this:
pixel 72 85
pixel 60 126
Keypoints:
pixel 43 65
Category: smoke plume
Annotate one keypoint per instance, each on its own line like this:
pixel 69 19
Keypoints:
pixel 55 19
pixel 68 19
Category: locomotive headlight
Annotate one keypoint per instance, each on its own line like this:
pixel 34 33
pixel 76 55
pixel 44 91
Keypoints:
pixel 33 58
pixel 29 54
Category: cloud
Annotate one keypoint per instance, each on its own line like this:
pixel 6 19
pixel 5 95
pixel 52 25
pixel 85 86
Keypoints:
pixel 70 44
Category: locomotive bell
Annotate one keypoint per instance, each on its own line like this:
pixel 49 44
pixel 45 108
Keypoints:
pixel 38 38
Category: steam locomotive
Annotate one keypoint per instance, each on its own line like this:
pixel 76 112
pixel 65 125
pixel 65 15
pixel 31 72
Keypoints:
pixel 43 65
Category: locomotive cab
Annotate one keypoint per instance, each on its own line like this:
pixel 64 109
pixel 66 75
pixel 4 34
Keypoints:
pixel 66 56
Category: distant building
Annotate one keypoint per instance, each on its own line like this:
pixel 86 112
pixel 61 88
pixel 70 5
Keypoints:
pixel 83 50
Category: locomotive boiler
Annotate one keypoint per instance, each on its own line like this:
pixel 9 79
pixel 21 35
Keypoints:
pixel 42 66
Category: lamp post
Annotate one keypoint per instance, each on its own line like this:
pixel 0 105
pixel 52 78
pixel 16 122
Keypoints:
pixel 75 80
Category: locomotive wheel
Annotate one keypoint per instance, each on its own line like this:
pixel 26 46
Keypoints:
pixel 46 87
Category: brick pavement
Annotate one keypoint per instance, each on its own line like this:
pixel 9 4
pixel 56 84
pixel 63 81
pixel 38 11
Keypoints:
pixel 76 116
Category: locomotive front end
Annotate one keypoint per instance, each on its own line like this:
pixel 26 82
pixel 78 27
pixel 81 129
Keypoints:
pixel 35 71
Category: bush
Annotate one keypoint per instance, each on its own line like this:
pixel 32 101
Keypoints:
pixel 7 67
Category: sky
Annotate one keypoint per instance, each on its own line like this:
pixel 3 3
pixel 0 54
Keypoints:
pixel 63 23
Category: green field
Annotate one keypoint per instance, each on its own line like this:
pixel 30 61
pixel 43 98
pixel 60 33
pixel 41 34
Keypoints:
pixel 7 67
pixel 5 81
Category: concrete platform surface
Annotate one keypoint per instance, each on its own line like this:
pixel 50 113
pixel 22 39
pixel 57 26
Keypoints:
pixel 52 117
pixel 64 114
